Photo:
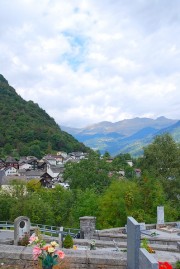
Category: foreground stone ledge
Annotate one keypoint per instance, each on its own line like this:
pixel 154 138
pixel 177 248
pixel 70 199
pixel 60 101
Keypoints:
pixel 77 259
pixel 12 252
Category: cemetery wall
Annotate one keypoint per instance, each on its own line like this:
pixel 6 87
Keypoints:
pixel 76 259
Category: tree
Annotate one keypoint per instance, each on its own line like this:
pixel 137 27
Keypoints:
pixel 106 155
pixel 33 185
pixel 162 157
pixel 91 173
pixel 35 150
pixel 85 204
pixel 8 148
pixel 152 195
pixel 38 210
pixel 118 201
pixel 162 160
pixel 6 203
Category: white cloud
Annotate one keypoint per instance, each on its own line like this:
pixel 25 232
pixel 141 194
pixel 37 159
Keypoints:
pixel 88 61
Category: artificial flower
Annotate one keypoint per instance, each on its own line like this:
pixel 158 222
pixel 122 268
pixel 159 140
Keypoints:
pixel 37 251
pixel 54 244
pixel 33 239
pixel 165 265
pixel 50 250
pixel 60 254
pixel 48 254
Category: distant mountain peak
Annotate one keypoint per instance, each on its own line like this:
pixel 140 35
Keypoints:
pixel 162 118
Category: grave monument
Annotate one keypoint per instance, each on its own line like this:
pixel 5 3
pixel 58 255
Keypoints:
pixel 21 228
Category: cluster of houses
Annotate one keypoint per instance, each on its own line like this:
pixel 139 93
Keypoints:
pixel 49 170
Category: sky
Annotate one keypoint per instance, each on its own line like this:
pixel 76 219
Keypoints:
pixel 87 61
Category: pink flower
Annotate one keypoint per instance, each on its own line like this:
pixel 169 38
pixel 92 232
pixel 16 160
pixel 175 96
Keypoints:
pixel 36 252
pixel 60 254
pixel 32 239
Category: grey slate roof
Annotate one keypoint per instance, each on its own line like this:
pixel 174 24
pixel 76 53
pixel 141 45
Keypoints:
pixel 34 173
pixel 11 160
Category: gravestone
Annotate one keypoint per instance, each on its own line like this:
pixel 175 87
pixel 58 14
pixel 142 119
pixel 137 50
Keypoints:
pixel 178 246
pixel 21 228
pixel 87 227
pixel 146 260
pixel 60 237
pixel 160 214
pixel 133 243
pixel 142 226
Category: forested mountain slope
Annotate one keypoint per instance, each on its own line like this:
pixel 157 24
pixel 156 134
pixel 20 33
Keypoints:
pixel 26 129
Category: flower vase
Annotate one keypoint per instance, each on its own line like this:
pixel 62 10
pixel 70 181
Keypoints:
pixel 47 267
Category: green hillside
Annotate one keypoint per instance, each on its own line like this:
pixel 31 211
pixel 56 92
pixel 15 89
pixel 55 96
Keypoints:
pixel 26 129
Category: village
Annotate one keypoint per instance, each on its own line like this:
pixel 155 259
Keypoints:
pixel 49 170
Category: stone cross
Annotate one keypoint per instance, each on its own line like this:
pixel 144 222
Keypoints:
pixel 21 228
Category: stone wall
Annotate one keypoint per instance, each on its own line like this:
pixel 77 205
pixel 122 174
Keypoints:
pixel 76 259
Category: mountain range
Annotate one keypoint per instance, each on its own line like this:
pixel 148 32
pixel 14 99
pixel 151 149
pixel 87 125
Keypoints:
pixel 26 129
pixel 126 136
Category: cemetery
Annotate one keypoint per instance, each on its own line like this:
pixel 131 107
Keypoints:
pixel 100 249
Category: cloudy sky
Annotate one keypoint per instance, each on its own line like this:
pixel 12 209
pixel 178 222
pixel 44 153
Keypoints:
pixel 86 61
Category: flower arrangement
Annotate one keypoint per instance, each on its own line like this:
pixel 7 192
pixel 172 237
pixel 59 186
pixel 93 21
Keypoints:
pixel 92 245
pixel 47 253
pixel 24 240
pixel 165 265
pixel 145 245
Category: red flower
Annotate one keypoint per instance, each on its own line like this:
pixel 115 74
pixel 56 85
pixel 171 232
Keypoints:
pixel 165 265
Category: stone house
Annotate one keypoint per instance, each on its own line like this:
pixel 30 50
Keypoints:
pixel 46 180
pixel 10 161
pixel 55 170
pixel 10 171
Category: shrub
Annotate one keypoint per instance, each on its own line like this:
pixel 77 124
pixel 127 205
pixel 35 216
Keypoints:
pixel 68 241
